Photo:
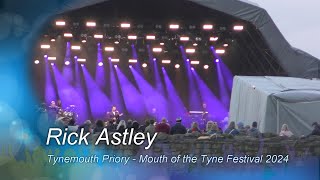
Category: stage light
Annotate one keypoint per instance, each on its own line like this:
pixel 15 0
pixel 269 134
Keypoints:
pixel 177 66
pixel 192 68
pixel 36 61
pixel 67 63
pixel 67 35
pixel 214 38
pixel 238 28
pixel 154 59
pixel 207 26
pixel 114 60
pixel 52 64
pixel 52 40
pixel 174 26
pixel 150 37
pixel 166 61
pixel 75 47
pixel 82 65
pixel 81 60
pixel 157 49
pixel 190 50
pixel 60 23
pixel 115 66
pixel 206 66
pixel 100 64
pixel 194 62
pixel 91 24
pixel 220 51
pixel 133 61
pixel 130 66
pixel 162 44
pixel 195 44
pixel 144 65
pixel 132 37
pixel 109 48
pixel 52 58
pixel 75 57
pixel 225 45
pixel 84 41
pixel 98 36
pixel 188 60
pixel 217 60
pixel 45 46
pixel 125 25
pixel 116 42
pixel 184 38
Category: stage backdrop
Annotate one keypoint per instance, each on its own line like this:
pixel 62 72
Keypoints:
pixel 273 101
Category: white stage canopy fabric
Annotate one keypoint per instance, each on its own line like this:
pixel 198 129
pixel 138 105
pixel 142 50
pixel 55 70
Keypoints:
pixel 273 101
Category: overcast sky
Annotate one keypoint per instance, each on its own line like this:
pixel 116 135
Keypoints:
pixel 298 20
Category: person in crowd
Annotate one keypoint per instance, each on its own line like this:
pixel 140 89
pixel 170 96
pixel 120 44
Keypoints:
pixel 178 128
pixel 135 126
pixel 194 128
pixel 163 127
pixel 129 124
pixel 254 131
pixel 232 129
pixel 143 127
pixel 212 128
pixel 99 127
pixel 86 127
pixel 121 126
pixel 72 127
pixel 242 130
pixel 285 131
pixel 316 129
pixel 151 128
pixel 247 127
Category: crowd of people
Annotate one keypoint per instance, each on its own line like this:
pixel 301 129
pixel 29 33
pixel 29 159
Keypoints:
pixel 151 126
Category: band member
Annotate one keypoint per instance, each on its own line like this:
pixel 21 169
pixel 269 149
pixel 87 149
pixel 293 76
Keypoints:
pixel 114 115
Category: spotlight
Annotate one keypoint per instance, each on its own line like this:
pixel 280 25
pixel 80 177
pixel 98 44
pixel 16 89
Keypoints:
pixel 45 56
pixel 115 60
pixel 75 47
pixel 194 62
pixel 154 59
pixel 133 61
pixel 130 66
pixel 206 66
pixel 157 49
pixel 67 35
pixel 184 38
pixel 36 61
pixel 52 40
pixel 190 50
pixel 207 26
pixel 98 36
pixel 238 28
pixel 67 63
pixel 132 37
pixel 166 61
pixel 150 37
pixel 100 64
pixel 81 60
pixel 195 44
pixel 125 25
pixel 214 38
pixel 144 65
pixel 192 68
pixel 188 60
pixel 52 58
pixel 60 23
pixel 82 65
pixel 217 60
pixel 177 66
pixel 174 26
pixel 91 24
pixel 220 51
pixel 162 44
pixel 75 57
pixel 45 46
pixel 116 42
pixel 115 66
pixel 84 41
pixel 109 48
pixel 52 64
pixel 225 45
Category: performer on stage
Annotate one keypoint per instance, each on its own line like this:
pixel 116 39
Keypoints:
pixel 114 115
